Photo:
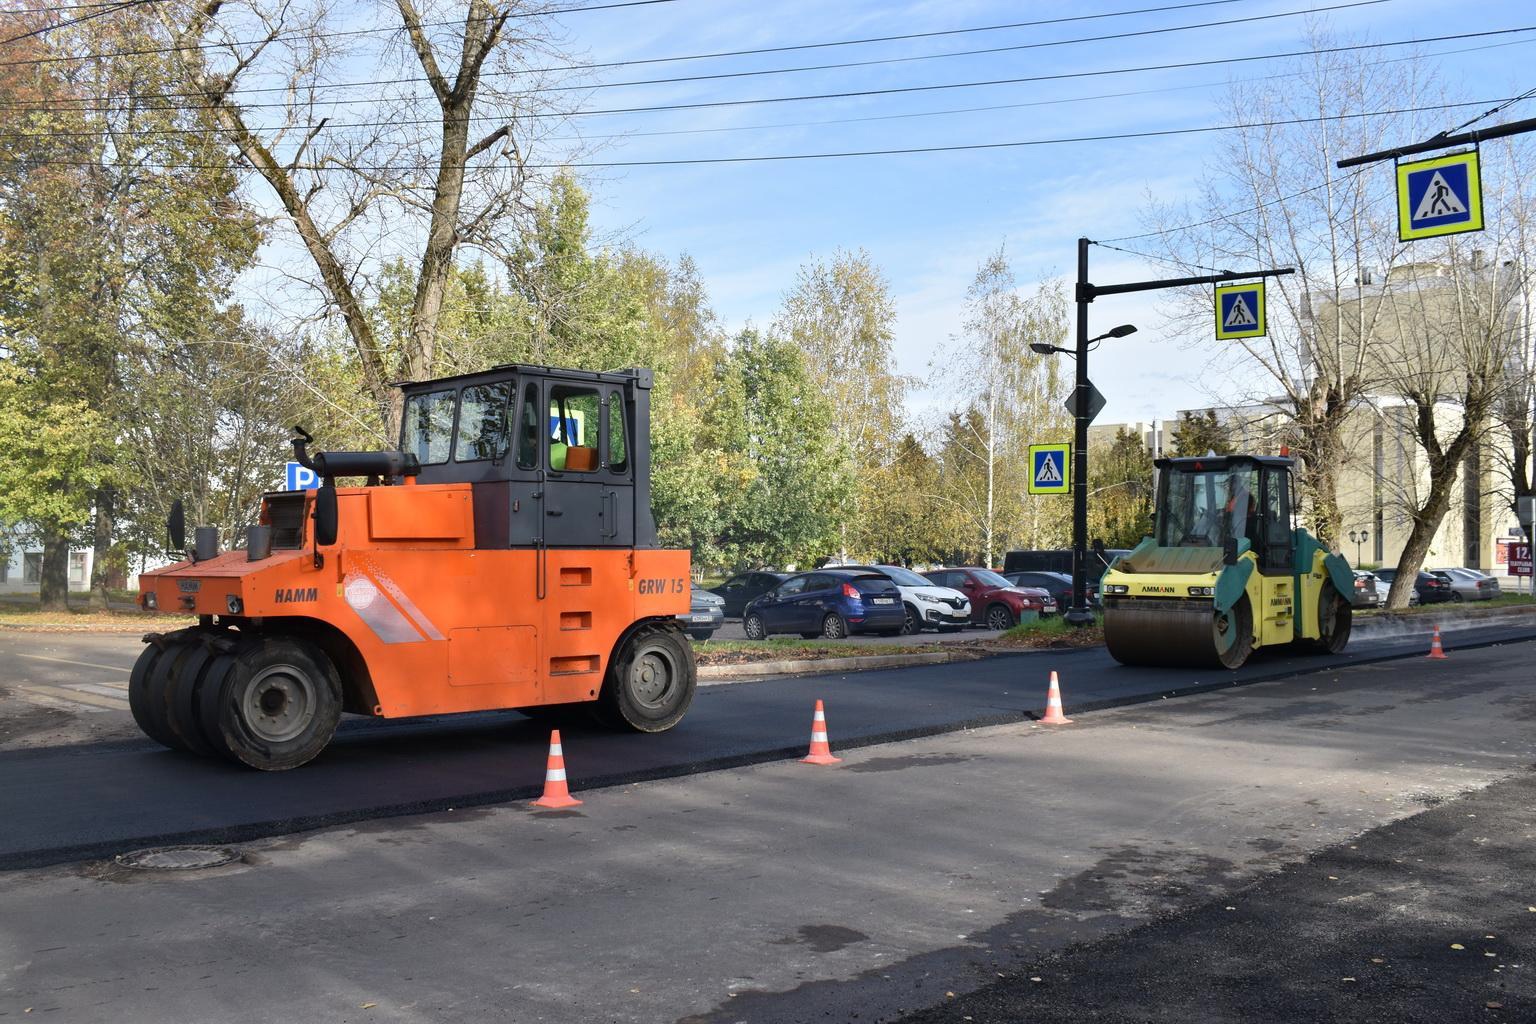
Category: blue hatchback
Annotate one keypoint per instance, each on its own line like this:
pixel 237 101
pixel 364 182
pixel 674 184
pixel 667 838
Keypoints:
pixel 828 602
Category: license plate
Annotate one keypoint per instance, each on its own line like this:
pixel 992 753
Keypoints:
pixel 701 617
pixel 885 600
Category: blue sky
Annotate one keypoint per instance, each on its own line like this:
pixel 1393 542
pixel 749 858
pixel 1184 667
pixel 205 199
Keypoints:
pixel 928 219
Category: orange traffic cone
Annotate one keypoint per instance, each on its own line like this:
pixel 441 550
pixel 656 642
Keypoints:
pixel 556 794
pixel 1435 649
pixel 1053 715
pixel 820 753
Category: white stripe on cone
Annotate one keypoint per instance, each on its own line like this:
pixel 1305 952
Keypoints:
pixel 555 775
pixel 555 751
pixel 818 737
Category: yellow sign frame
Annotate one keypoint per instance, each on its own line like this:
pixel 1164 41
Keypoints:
pixel 1065 451
pixel 1261 324
pixel 1406 232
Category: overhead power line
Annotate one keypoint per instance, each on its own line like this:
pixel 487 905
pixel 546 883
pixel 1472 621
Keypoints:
pixel 375 30
pixel 890 91
pixel 902 151
pixel 45 29
pixel 389 29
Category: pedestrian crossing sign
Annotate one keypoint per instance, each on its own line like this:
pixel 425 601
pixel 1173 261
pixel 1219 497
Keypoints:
pixel 1050 468
pixel 1439 196
pixel 1240 311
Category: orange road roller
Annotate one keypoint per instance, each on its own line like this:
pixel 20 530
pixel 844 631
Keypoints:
pixel 505 557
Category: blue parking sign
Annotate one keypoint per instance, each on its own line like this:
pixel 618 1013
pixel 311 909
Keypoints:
pixel 299 478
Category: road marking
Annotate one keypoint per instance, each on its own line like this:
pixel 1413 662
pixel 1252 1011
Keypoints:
pixel 75 696
pixel 114 690
pixel 66 661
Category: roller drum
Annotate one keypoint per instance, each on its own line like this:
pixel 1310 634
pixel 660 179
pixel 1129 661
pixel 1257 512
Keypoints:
pixel 1175 633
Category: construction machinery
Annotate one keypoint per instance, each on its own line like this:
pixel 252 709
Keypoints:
pixel 1226 571
pixel 504 557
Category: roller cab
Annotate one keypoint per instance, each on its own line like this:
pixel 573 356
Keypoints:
pixel 1225 572
pixel 504 557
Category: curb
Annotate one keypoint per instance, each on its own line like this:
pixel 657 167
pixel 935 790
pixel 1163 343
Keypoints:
pixel 802 666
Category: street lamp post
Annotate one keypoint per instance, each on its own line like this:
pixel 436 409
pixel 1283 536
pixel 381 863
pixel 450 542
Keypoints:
pixel 1359 538
pixel 1078 614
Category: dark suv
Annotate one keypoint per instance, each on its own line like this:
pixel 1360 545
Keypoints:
pixel 828 602
pixel 1058 585
pixel 739 590
pixel 1430 588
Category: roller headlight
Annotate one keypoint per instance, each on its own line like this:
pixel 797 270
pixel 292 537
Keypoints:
pixel 234 604
pixel 150 602
pixel 1202 591
pixel 1117 588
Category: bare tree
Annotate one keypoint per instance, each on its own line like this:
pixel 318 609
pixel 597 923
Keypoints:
pixel 367 166
pixel 1276 200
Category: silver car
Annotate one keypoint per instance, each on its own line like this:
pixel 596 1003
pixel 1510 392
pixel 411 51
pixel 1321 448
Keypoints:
pixel 1469 584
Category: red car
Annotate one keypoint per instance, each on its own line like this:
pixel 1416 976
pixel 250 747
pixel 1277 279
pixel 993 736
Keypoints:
pixel 995 603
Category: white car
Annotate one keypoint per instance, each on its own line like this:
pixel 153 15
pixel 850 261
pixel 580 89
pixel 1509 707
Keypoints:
pixel 941 608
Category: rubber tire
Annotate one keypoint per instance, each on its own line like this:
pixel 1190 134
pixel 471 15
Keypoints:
pixel 205 703
pixel 163 682
pixel 618 705
pixel 913 623
pixel 143 697
pixel 235 735
pixel 753 626
pixel 833 627
pixel 1456 597
pixel 181 713
pixel 1343 623
pixel 1234 657
pixel 1000 617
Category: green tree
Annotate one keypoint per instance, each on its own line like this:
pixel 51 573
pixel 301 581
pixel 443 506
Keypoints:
pixel 1121 491
pixel 786 497
pixel 841 315
pixel 120 230
pixel 1201 433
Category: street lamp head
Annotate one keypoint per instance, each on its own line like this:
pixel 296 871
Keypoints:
pixel 1122 330
pixel 1354 538
pixel 1042 348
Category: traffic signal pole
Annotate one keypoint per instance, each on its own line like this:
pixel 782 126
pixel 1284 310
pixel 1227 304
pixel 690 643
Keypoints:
pixel 1079 614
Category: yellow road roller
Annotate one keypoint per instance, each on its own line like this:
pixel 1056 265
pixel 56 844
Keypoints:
pixel 1225 572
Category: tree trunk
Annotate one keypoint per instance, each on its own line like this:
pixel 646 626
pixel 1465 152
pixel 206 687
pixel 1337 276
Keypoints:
pixel 53 588
pixel 101 556
pixel 1443 473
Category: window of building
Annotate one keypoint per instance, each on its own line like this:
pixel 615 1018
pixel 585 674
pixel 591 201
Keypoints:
pixel 483 422
pixel 32 567
pixel 427 429
pixel 77 568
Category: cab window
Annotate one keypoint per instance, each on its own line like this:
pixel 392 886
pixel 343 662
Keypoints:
pixel 426 429
pixel 528 429
pixel 618 451
pixel 483 422
pixel 573 429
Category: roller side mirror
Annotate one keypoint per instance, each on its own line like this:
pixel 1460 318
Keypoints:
pixel 176 527
pixel 325 515
pixel 1229 552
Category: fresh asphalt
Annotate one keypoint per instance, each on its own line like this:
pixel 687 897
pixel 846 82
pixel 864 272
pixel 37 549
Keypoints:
pixel 71 803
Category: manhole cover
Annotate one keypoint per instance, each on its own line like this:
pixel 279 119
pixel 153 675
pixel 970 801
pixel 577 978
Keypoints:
pixel 178 858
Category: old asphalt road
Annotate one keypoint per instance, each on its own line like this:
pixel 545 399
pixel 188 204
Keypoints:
pixel 778 893
pixel 68 803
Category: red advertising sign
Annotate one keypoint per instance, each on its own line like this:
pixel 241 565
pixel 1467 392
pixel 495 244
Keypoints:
pixel 1520 559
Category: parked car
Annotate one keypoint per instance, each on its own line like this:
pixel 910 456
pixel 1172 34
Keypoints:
pixel 995 603
pixel 1060 561
pixel 739 590
pixel 1427 587
pixel 1058 585
pixel 1469 584
pixel 926 605
pixel 1367 593
pixel 705 614
pixel 833 603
